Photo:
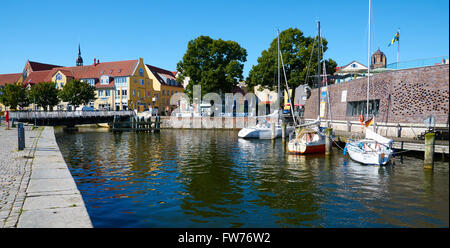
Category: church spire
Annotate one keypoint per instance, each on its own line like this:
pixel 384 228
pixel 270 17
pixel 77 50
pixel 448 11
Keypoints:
pixel 79 61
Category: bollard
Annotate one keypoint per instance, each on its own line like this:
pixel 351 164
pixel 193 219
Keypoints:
pixel 429 151
pixel 21 136
pixel 283 130
pixel 399 130
pixel 328 141
pixel 272 128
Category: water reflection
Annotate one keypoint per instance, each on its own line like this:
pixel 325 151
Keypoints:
pixel 211 178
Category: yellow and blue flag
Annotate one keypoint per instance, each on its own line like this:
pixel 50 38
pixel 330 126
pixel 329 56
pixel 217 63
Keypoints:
pixel 396 38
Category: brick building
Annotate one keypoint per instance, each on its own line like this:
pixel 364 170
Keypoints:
pixel 401 96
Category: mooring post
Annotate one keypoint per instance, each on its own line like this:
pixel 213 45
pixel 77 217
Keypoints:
pixel 272 127
pixel 283 130
pixel 429 151
pixel 21 136
pixel 328 141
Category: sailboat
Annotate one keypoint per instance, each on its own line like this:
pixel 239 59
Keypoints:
pixel 263 129
pixel 311 137
pixel 374 148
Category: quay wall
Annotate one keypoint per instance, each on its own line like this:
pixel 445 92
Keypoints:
pixel 52 198
pixel 406 96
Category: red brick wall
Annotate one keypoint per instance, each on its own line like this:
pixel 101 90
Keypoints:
pixel 406 96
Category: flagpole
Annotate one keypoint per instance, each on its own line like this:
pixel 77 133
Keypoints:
pixel 398 46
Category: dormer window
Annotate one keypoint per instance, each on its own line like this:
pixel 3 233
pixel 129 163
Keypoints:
pixel 58 76
pixel 104 80
pixel 119 70
pixel 110 71
pixel 103 71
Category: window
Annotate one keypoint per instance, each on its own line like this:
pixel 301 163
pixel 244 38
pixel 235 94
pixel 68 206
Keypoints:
pixel 91 81
pixel 171 92
pixel 124 92
pixel 103 71
pixel 360 107
pixel 107 92
pixel 104 80
pixel 149 94
pixel 58 76
pixel 100 93
pixel 141 81
pixel 110 71
pixel 135 81
pixel 134 92
pixel 163 92
pixel 119 70
pixel 62 85
pixel 141 72
pixel 354 65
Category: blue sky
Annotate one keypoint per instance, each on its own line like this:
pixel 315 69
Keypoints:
pixel 158 31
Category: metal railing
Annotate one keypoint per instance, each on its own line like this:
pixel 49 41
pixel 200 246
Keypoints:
pixel 418 63
pixel 67 114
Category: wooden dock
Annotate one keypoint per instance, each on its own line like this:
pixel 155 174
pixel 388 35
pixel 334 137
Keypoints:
pixel 441 146
pixel 135 124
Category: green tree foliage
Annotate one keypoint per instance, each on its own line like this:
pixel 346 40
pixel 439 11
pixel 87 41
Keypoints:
pixel 14 95
pixel 296 51
pixel 215 65
pixel 44 95
pixel 76 93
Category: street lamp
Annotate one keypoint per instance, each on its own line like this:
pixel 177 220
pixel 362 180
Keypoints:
pixel 34 105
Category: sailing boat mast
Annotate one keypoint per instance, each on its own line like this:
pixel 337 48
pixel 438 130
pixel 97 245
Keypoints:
pixel 279 88
pixel 318 71
pixel 368 67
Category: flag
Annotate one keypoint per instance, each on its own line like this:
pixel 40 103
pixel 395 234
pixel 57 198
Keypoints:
pixel 368 122
pixel 396 38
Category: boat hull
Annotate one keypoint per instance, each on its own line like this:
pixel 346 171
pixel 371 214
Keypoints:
pixel 309 149
pixel 262 133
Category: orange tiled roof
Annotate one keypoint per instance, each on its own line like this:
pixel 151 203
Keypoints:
pixel 9 78
pixel 38 77
pixel 158 72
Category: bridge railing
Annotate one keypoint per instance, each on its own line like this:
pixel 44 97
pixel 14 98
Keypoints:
pixel 67 114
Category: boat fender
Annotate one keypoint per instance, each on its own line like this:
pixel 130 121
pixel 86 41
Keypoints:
pixel 361 119
pixel 345 149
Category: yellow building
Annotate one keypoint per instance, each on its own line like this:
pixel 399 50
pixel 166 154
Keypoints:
pixel 120 85
pixel 166 86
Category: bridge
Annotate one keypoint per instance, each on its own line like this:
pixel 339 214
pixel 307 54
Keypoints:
pixel 67 118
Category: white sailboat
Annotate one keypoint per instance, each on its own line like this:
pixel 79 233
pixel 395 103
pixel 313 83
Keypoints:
pixel 263 129
pixel 374 149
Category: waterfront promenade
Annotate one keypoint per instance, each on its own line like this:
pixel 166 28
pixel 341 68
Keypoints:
pixel 37 189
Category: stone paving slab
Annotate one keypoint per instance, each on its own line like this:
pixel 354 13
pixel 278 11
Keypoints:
pixel 64 217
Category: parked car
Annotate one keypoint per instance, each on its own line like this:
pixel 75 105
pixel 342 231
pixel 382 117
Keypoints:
pixel 87 108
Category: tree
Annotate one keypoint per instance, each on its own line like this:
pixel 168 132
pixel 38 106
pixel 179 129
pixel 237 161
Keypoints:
pixel 76 93
pixel 44 94
pixel 14 95
pixel 296 51
pixel 215 65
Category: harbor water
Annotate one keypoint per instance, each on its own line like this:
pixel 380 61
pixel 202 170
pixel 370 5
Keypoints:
pixel 212 178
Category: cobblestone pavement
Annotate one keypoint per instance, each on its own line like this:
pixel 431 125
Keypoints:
pixel 15 170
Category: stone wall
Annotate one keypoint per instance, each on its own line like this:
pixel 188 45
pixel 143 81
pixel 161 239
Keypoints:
pixel 406 96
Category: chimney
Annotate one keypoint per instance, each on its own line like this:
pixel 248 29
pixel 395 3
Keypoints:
pixel 94 61
pixel 98 61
